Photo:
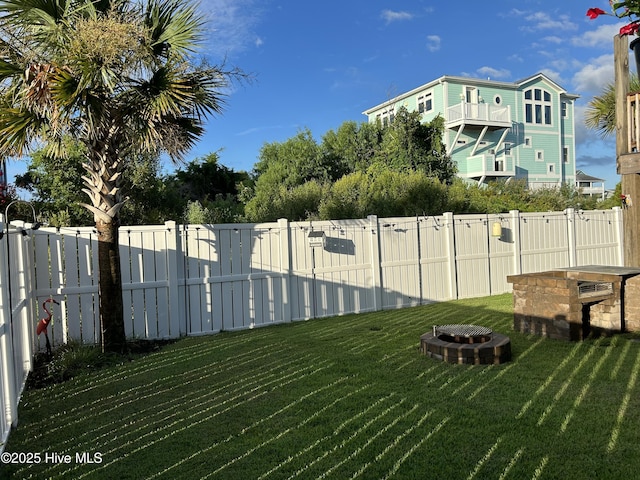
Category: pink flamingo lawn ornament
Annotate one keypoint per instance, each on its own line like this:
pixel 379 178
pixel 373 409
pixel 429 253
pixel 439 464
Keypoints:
pixel 44 323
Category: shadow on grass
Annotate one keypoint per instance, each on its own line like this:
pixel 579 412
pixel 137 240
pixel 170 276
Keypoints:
pixel 346 397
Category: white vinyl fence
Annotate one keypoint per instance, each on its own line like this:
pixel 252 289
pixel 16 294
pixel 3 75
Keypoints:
pixel 201 279
pixel 193 279
pixel 17 322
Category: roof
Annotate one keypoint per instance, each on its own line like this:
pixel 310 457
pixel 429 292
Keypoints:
pixel 583 177
pixel 474 81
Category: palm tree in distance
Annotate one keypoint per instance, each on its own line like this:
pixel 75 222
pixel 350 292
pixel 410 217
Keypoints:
pixel 120 76
pixel 600 114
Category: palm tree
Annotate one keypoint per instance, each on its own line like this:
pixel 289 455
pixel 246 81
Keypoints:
pixel 601 110
pixel 120 76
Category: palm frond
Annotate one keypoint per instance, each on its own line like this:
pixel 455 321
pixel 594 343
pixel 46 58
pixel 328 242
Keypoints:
pixel 9 70
pixel 35 12
pixel 18 128
pixel 600 114
pixel 173 25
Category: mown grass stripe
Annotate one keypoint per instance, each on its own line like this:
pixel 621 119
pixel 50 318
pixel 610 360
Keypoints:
pixel 248 429
pixel 158 409
pixel 620 418
pixel 133 393
pixel 585 388
pixel 408 453
pixel 393 444
pixel 348 440
pixel 620 362
pixel 326 438
pixel 540 468
pixel 142 367
pixel 549 379
pixel 177 425
pixel 371 439
pixel 565 385
pixel 511 464
pixel 484 460
pixel 284 432
pixel 506 369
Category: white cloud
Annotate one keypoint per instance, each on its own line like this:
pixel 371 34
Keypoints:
pixel 392 16
pixel 493 72
pixel 553 75
pixel 562 63
pixel 543 21
pixel 433 43
pixel 601 36
pixel 553 39
pixel 232 25
pixel 595 75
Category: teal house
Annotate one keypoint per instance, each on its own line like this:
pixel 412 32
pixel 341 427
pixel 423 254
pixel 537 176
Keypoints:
pixel 498 130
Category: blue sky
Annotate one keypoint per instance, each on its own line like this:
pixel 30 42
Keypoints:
pixel 318 64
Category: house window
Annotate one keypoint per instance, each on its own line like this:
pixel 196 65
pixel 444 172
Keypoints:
pixel 507 148
pixel 471 94
pixel 527 142
pixel 497 100
pixel 551 168
pixel 539 156
pixel 537 106
pixel 565 154
pixel 387 117
pixel 425 103
pixel 564 109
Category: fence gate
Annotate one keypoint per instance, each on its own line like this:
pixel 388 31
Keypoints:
pixel 17 321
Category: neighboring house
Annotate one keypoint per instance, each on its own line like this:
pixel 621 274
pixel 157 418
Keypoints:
pixel 498 130
pixel 589 185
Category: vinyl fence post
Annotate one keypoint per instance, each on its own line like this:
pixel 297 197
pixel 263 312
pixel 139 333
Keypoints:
pixel 517 244
pixel 617 212
pixel 376 261
pixel 449 222
pixel 571 236
pixel 285 267
pixel 9 400
pixel 176 327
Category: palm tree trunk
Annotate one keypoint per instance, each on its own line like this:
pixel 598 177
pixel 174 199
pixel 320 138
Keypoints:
pixel 110 285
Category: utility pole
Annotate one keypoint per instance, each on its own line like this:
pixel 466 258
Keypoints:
pixel 627 157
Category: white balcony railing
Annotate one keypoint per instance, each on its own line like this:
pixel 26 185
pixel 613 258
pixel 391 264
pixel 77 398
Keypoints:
pixel 479 112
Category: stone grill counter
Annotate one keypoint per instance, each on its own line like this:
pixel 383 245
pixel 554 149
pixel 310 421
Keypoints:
pixel 572 303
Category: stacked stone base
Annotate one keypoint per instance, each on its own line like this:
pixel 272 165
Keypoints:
pixel 551 304
pixel 495 351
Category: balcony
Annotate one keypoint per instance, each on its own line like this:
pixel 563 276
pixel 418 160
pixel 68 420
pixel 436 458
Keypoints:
pixel 487 166
pixel 478 114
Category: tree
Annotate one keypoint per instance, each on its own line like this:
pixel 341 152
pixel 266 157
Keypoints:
pixel 406 146
pixel 601 110
pixel 282 167
pixel 352 147
pixel 7 191
pixel 119 76
pixel 409 145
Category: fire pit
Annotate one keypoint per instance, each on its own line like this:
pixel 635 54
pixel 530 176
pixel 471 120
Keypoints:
pixel 470 344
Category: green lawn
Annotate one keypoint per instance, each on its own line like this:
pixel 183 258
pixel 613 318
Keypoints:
pixel 345 397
